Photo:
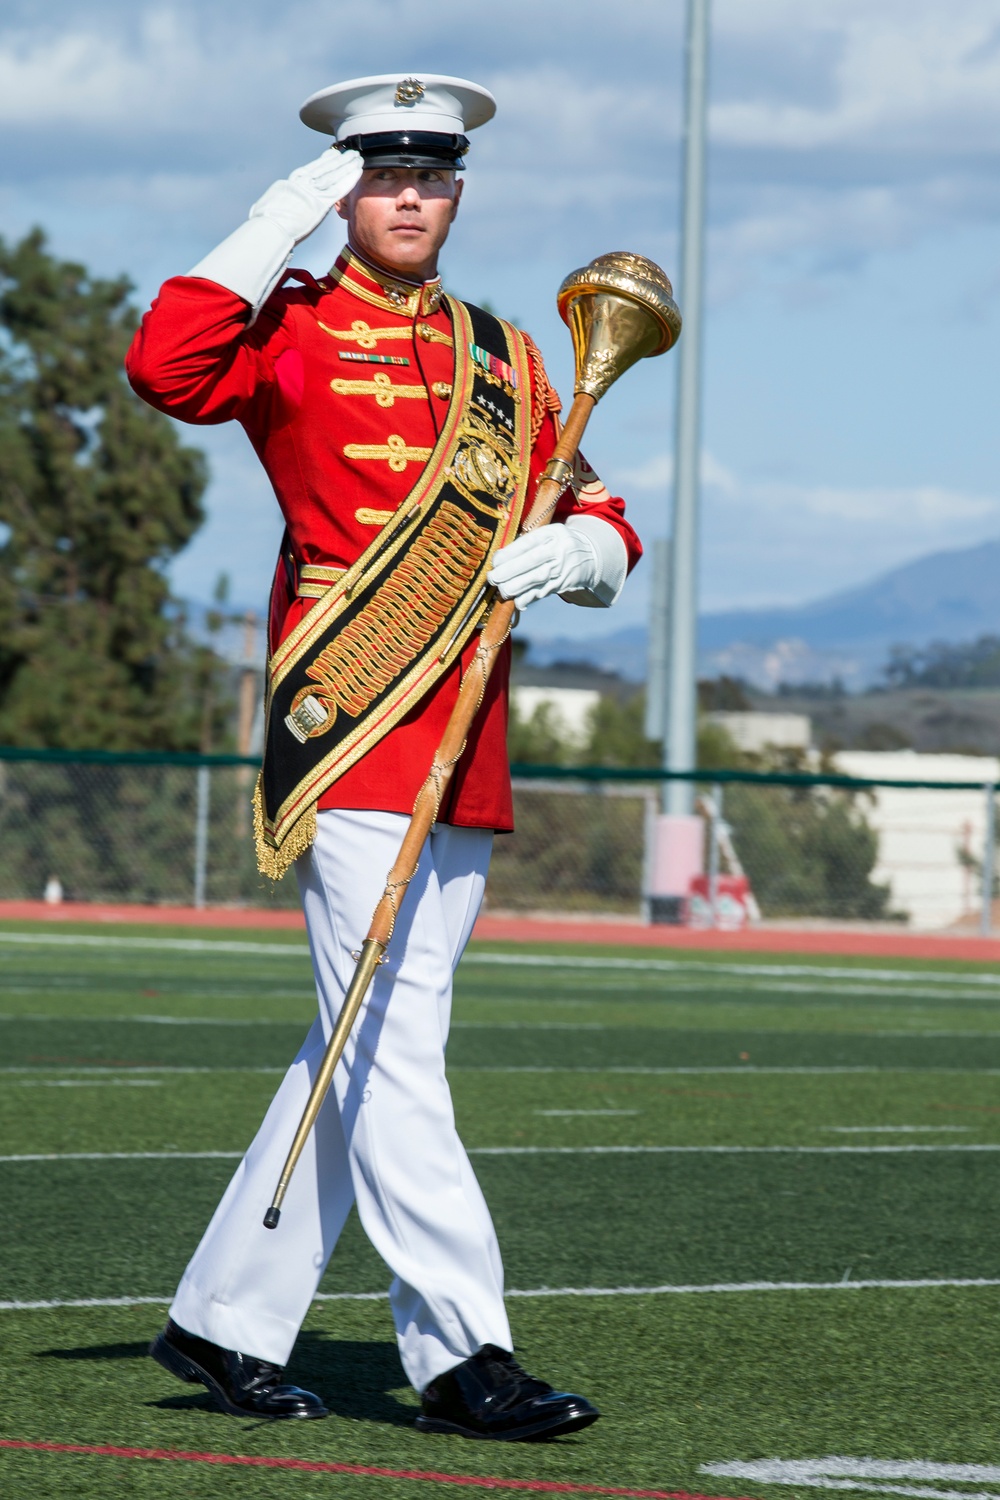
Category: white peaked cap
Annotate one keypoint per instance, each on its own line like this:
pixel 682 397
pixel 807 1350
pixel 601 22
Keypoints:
pixel 399 101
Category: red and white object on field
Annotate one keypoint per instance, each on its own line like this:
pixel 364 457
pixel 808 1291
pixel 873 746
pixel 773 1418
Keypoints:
pixel 727 908
pixel 716 900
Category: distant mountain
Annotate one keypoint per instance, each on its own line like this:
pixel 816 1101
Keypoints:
pixel 949 596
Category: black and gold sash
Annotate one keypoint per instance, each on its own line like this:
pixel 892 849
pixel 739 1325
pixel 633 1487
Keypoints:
pixel 382 635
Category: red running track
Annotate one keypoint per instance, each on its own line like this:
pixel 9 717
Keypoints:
pixel 313 1466
pixel 571 933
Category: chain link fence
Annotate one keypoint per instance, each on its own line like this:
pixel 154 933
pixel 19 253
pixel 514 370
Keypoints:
pixel 176 830
pixel 158 830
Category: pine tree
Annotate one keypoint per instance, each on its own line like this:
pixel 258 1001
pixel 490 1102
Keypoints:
pixel 97 494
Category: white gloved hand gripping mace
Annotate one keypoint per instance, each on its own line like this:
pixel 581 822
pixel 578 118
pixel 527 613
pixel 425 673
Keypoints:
pixel 619 309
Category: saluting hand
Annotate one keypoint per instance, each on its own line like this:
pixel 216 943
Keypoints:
pixel 301 201
pixel 253 259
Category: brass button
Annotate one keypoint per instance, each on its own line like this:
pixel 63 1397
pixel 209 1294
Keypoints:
pixel 441 388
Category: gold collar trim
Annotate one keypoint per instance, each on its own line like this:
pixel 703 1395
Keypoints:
pixel 380 289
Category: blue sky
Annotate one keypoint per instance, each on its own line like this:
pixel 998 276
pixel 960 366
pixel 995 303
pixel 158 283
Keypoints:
pixel 853 250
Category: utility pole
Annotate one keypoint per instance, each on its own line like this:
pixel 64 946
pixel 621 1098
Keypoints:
pixel 677 856
pixel 682 641
pixel 247 707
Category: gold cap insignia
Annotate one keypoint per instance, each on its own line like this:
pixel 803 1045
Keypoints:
pixel 409 91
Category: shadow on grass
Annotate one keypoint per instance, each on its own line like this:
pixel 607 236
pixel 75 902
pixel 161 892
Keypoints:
pixel 357 1379
pixel 98 1351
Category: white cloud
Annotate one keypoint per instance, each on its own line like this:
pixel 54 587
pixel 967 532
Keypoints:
pixel 771 542
pixel 767 541
pixel 89 79
pixel 905 510
pixel 839 130
pixel 911 76
pixel 656 473
pixel 588 136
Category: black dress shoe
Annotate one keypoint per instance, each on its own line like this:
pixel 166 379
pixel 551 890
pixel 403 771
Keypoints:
pixel 238 1383
pixel 490 1396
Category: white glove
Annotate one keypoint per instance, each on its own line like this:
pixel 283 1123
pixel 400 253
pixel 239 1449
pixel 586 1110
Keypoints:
pixel 254 257
pixel 584 561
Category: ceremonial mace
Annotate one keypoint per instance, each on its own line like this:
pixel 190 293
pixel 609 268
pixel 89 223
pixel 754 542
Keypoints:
pixel 619 309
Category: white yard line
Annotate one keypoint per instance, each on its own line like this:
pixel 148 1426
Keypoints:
pixel 892 1129
pixel 602 1026
pixel 62 1017
pixel 682 1290
pixel 834 991
pixel 591 1113
pixel 91 1083
pixel 721 1150
pixel 894 1150
pixel 726 1070
pixel 87 1068
pixel 690 1288
pixel 745 970
pixel 54 1019
pixel 703 1071
pixel 864 1474
pixel 55 1304
pixel 515 960
pixel 126 1156
pixel 169 945
pixel 811 1470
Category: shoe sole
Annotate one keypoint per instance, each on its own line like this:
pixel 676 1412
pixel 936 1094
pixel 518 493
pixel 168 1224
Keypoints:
pixel 559 1427
pixel 184 1368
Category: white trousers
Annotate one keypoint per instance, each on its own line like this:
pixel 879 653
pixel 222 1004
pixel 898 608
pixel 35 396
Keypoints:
pixel 385 1138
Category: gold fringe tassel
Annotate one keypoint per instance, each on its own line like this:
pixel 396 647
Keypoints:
pixel 274 861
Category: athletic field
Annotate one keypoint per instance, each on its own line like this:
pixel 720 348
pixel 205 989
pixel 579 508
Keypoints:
pixel 749 1206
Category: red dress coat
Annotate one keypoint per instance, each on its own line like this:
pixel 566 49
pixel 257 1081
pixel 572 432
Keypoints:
pixel 343 442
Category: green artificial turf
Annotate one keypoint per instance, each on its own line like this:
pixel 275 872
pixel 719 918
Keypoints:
pixel 120 1049
pixel 681 1382
pixel 82 1229
pixel 135 1043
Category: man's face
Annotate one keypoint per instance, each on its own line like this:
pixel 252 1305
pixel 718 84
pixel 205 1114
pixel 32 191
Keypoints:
pixel 400 216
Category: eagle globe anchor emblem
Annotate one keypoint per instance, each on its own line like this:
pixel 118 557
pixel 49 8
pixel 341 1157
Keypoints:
pixel 479 467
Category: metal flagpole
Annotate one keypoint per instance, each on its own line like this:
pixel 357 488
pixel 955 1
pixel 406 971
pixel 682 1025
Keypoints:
pixel 201 835
pixel 679 738
pixel 989 858
pixel 656 674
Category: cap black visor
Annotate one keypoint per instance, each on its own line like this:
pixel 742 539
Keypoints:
pixel 409 148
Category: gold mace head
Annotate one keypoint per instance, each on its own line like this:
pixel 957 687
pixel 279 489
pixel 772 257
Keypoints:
pixel 619 309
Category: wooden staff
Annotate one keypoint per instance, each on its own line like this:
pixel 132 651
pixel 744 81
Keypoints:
pixel 619 309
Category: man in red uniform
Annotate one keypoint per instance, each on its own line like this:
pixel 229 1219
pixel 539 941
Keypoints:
pixel 351 389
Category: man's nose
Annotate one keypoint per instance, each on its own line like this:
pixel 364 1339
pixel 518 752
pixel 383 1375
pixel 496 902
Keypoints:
pixel 409 197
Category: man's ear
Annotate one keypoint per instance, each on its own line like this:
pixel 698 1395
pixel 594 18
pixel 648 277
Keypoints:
pixel 459 185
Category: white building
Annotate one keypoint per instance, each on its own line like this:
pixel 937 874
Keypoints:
pixel 923 832
pixel 569 709
pixel 755 732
